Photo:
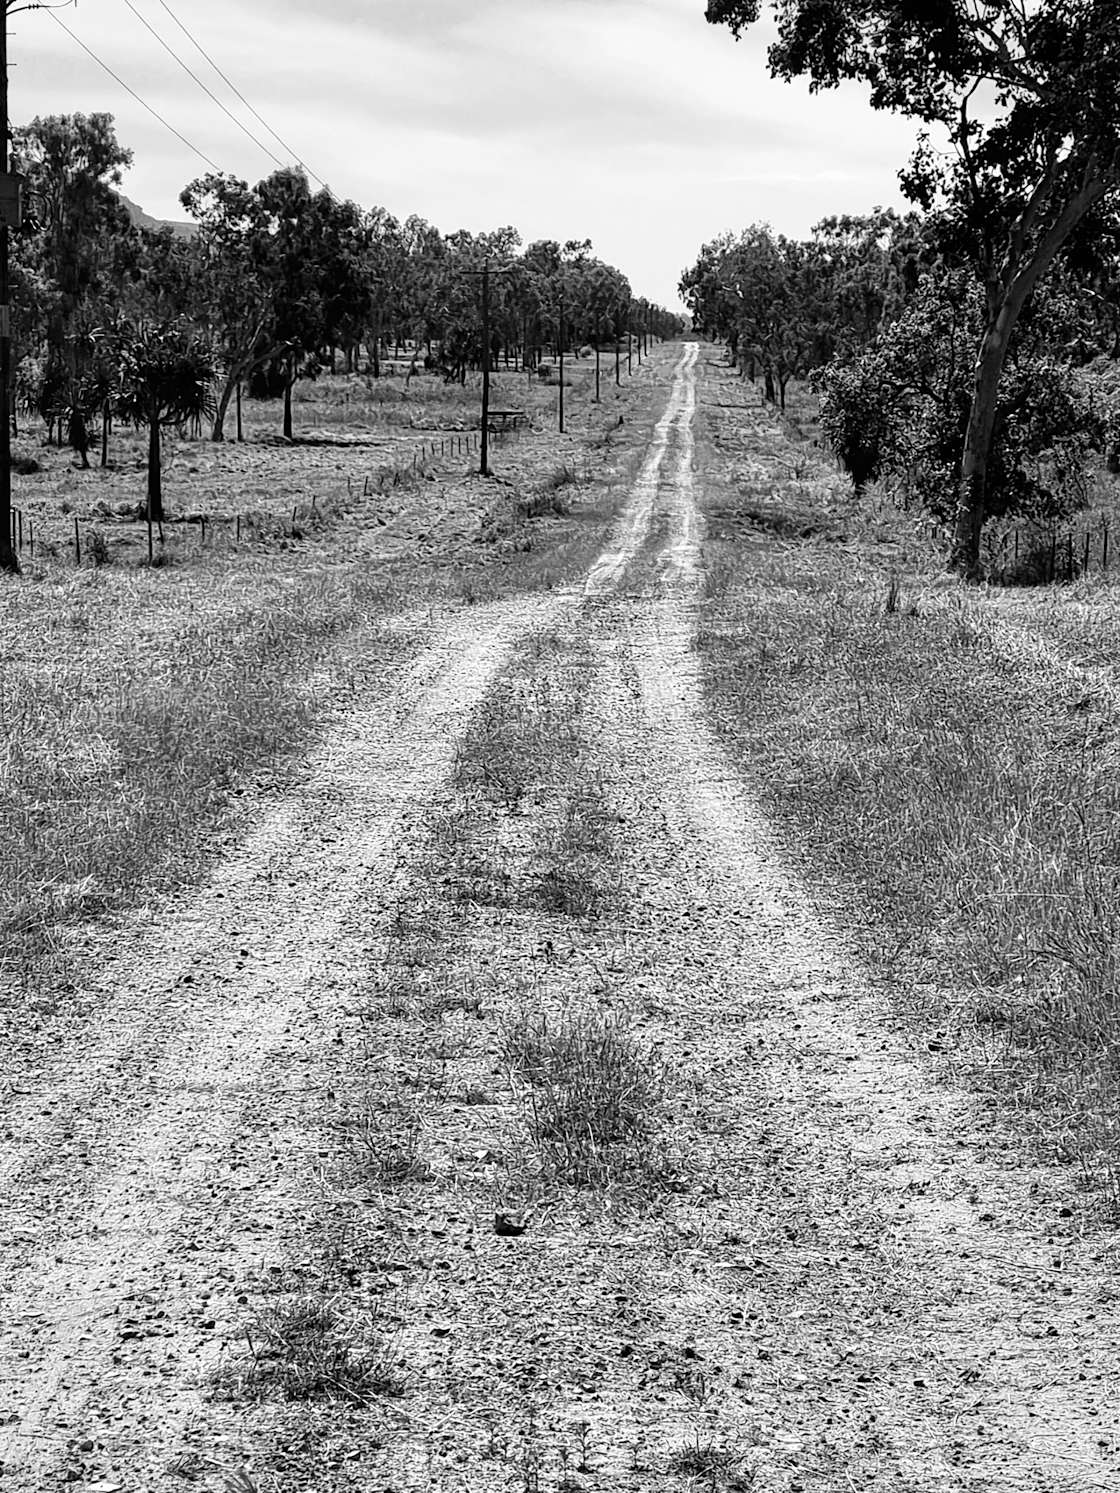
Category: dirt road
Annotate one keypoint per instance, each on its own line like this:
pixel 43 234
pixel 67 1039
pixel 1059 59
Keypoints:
pixel 841 1284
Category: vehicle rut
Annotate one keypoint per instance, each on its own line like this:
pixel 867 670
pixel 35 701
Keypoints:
pixel 109 1156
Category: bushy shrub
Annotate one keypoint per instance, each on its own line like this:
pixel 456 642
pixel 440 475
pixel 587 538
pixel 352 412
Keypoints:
pixel 900 410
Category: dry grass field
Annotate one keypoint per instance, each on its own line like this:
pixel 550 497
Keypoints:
pixel 945 759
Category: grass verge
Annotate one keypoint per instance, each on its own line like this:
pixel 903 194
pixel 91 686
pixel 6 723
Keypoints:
pixel 117 756
pixel 958 788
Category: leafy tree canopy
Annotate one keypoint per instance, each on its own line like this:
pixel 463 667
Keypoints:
pixel 1029 96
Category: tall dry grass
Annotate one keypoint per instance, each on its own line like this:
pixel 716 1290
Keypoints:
pixel 951 776
pixel 119 751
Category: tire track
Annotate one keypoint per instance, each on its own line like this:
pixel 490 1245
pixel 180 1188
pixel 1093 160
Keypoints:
pixel 111 1155
pixel 985 1332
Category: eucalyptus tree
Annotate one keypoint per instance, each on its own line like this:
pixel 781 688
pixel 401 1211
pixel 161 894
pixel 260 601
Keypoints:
pixel 298 220
pixel 72 163
pixel 235 261
pixel 1028 96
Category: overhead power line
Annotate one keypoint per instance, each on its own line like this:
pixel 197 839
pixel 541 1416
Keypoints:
pixel 293 155
pixel 143 102
pixel 209 92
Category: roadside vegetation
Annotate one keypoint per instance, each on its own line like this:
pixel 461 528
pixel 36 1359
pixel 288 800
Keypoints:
pixel 944 757
pixel 969 344
pixel 943 760
pixel 273 287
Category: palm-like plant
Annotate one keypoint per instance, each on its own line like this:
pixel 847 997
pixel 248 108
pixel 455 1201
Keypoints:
pixel 166 375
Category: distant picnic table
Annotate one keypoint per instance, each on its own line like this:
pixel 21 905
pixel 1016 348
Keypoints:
pixel 503 420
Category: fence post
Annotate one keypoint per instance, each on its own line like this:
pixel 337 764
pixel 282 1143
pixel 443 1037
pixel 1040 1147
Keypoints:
pixel 202 531
pixel 77 543
pixel 1069 556
pixel 1104 544
pixel 239 528
pixel 1085 558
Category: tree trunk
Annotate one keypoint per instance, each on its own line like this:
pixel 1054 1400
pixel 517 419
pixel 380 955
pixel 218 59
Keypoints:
pixel 240 431
pixel 288 382
pixel 218 433
pixel 106 421
pixel 1021 279
pixel 771 397
pixel 972 500
pixel 155 473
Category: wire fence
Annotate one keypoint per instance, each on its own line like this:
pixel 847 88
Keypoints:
pixel 1046 555
pixel 85 537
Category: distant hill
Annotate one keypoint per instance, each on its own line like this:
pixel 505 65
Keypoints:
pixel 145 220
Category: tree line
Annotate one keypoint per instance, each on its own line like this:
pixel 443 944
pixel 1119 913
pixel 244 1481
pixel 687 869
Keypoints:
pixel 113 321
pixel 968 347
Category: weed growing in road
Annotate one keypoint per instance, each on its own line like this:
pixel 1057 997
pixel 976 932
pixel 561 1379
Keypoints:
pixel 386 1143
pixel 579 877
pixel 301 1349
pixel 533 825
pixel 716 1465
pixel 595 1097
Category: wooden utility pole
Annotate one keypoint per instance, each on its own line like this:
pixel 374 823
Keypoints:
pixel 598 339
pixel 617 348
pixel 561 350
pixel 629 337
pixel 9 560
pixel 484 443
pixel 484 466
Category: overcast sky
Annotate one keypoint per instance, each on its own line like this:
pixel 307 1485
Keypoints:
pixel 630 122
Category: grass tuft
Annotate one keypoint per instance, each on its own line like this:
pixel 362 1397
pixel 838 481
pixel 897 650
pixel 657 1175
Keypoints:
pixel 301 1349
pixel 596 1098
pixel 386 1143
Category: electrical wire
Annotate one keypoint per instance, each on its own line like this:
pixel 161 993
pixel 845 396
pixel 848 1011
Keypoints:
pixel 234 89
pixel 154 112
pixel 209 93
